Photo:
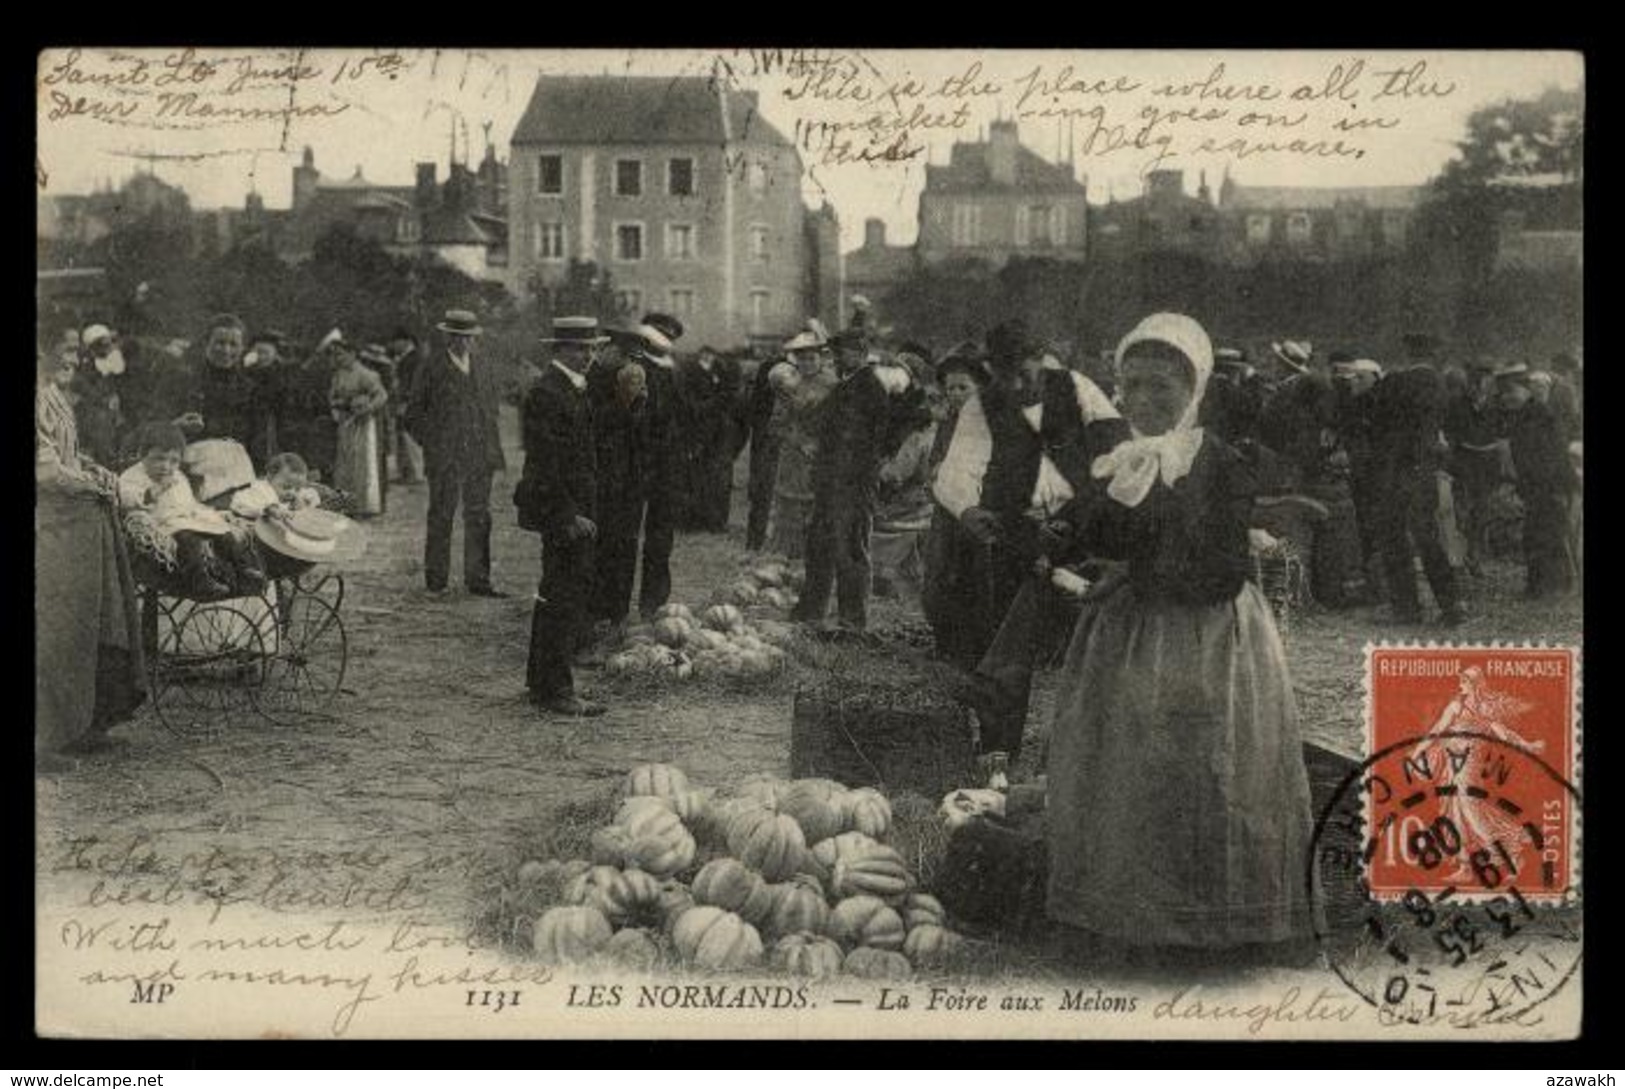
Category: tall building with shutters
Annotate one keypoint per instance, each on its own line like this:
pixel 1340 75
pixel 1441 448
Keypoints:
pixel 678 188
pixel 997 199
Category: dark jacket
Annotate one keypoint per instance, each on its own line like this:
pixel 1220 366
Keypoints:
pixel 624 464
pixel 1407 415
pixel 448 412
pixel 860 426
pixel 1187 543
pixel 560 477
pixel 1539 453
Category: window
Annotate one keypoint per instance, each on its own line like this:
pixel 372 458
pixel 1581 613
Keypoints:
pixel 967 224
pixel 758 242
pixel 1393 228
pixel 629 177
pixel 550 174
pixel 680 300
pixel 550 241
pixel 756 178
pixel 1297 228
pixel 758 310
pixel 628 241
pixel 680 177
pixel 1038 225
pixel 680 241
pixel 408 229
pixel 1258 228
pixel 1057 224
pixel 628 300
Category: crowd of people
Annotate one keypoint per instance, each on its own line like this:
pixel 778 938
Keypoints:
pixel 1019 504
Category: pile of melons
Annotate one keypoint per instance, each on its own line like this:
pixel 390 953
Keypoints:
pixel 764 585
pixel 787 877
pixel 719 642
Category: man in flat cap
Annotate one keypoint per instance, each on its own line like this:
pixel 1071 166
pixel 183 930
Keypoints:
pixel 557 498
pixel 452 412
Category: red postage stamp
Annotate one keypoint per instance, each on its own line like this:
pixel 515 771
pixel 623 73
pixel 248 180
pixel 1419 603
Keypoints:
pixel 1471 788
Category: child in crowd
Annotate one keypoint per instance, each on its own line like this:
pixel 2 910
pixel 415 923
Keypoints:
pixel 283 489
pixel 165 512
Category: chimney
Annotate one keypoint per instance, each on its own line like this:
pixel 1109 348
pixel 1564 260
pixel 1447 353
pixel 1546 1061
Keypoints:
pixel 304 180
pixel 1165 184
pixel 874 234
pixel 1001 152
pixel 424 194
pixel 1203 194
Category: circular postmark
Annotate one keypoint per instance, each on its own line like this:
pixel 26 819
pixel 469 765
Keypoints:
pixel 1432 864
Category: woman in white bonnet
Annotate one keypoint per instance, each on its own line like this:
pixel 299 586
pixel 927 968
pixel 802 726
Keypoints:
pixel 1179 806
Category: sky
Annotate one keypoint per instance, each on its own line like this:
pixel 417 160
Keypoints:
pixel 100 114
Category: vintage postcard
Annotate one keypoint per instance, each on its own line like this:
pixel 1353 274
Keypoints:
pixel 789 543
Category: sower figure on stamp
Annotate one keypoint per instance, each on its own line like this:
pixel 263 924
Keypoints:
pixel 861 424
pixel 1407 418
pixel 452 412
pixel 556 498
pixel 1019 457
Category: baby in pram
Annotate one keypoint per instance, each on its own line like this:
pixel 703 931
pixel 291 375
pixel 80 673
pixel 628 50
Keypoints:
pixel 212 557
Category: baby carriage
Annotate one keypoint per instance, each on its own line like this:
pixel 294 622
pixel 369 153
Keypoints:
pixel 280 653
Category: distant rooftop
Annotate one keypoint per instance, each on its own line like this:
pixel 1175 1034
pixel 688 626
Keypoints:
pixel 967 171
pixel 1290 198
pixel 641 110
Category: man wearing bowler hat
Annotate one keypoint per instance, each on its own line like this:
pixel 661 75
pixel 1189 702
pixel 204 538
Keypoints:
pixel 556 497
pixel 451 410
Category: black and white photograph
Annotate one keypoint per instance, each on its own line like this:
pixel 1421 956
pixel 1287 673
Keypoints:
pixel 804 543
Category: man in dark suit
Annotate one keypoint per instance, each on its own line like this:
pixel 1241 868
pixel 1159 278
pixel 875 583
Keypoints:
pixel 556 498
pixel 661 443
pixel 709 385
pixel 1407 421
pixel 863 422
pixel 451 410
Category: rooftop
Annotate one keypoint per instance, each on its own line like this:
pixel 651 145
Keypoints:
pixel 641 110
pixel 1300 198
pixel 967 171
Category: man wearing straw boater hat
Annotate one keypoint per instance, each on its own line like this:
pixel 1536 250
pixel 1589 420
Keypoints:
pixel 556 497
pixel 451 410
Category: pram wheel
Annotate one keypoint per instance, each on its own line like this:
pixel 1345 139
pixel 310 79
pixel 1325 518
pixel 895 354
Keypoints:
pixel 208 666
pixel 310 651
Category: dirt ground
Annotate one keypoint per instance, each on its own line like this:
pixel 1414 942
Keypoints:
pixel 433 762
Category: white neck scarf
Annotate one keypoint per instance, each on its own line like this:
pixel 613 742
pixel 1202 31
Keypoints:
pixel 110 365
pixel 1136 464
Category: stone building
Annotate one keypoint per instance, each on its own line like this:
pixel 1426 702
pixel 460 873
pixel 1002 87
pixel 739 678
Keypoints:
pixel 996 199
pixel 679 190
pixel 1164 218
pixel 1315 223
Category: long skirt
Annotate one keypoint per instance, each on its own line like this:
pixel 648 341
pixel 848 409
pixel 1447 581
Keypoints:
pixel 356 470
pixel 1179 806
pixel 89 670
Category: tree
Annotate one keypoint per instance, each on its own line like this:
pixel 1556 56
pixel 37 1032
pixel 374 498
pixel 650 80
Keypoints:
pixel 1520 160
